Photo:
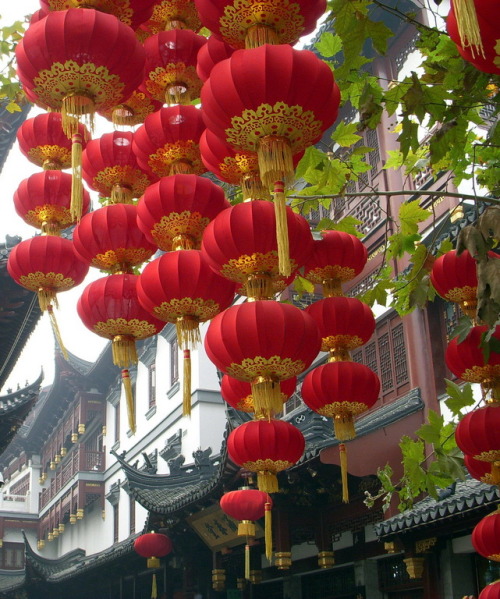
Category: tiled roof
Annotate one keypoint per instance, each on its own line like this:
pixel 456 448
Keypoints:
pixel 10 580
pixel 468 495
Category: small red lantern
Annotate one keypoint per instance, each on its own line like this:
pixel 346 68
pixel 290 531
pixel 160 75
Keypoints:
pixel 478 435
pixel 344 323
pixel 110 167
pixel 492 591
pixel 238 394
pixel 211 54
pixel 486 536
pixel 109 239
pixel 249 24
pixel 43 141
pixel 262 343
pixel 180 287
pixel 266 447
pixel 240 244
pixel 338 257
pixel 44 199
pixel 168 141
pixel 174 212
pixel 467 360
pixel 153 546
pixel 109 307
pixel 170 70
pixel 133 111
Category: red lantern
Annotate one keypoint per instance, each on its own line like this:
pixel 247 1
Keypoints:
pixel 266 447
pixel 174 212
pixel 486 536
pixel 262 343
pixel 478 47
pixel 211 54
pixel 168 15
pixel 344 323
pixel 79 61
pixel 181 288
pixel 133 111
pixel 130 12
pixel 153 546
pixel 478 435
pixel 109 307
pixel 293 99
pixel 168 142
pixel 338 257
pixel 110 167
pixel 109 239
pixel 467 360
pixel 455 279
pixel 478 469
pixel 492 591
pixel 43 201
pixel 170 71
pixel 238 394
pixel 43 141
pixel 249 24
pixel 240 244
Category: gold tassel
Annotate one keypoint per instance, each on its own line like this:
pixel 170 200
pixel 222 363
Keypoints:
pixel 285 267
pixel 121 194
pixel 275 161
pixel 343 425
pixel 343 470
pixel 468 26
pixel 246 528
pixel 267 401
pixel 252 187
pixel 129 396
pixel 267 482
pixel 183 242
pixel 57 332
pixel 46 297
pixel 268 530
pixel 188 332
pixel 73 107
pixel 76 180
pixel 247 561
pixel 124 351
pixel 154 588
pixel 495 473
pixel 50 228
pixel 260 34
pixel 177 93
pixel 181 167
pixel 186 391
pixel 332 288
pixel 339 354
pixel 259 286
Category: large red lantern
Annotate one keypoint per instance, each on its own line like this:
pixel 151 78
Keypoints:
pixel 262 343
pixel 44 199
pixel 43 141
pixel 110 240
pixel 79 61
pixel 266 447
pixel 455 279
pixel 168 141
pixel 152 546
pixel 344 323
pixel 250 24
pixel 478 435
pixel 238 394
pixel 174 212
pixel 211 54
pixel 241 245
pixel 181 288
pixel 170 71
pixel 468 361
pixel 109 307
pixel 292 100
pixel 486 536
pixel 479 46
pixel 492 591
pixel 337 257
pixel 110 167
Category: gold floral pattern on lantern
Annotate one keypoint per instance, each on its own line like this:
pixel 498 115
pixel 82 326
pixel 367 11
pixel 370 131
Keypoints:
pixel 53 85
pixel 346 342
pixel 132 112
pixel 239 269
pixel 121 259
pixel 119 8
pixel 124 175
pixel 175 224
pixel 340 408
pixel 171 14
pixel 49 280
pixel 332 271
pixel 488 456
pixel 488 374
pixel 198 307
pixel 281 16
pixel 49 156
pixel 178 157
pixel 297 126
pixel 280 368
pixel 138 329
pixel 178 75
pixel 49 214
pixel 462 294
pixel 267 465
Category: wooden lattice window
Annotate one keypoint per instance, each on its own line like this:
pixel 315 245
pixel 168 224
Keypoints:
pixel 12 556
pixel 21 487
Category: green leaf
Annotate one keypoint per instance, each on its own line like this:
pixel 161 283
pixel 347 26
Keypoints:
pixel 329 44
pixel 302 285
pixel 348 224
pixel 345 134
pixel 462 329
pixel 410 215
pixel 459 397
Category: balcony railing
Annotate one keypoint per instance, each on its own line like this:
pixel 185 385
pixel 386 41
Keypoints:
pixel 14 503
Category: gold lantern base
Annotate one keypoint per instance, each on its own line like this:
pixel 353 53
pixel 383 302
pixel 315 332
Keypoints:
pixel 326 559
pixel 218 579
pixel 283 560
pixel 414 566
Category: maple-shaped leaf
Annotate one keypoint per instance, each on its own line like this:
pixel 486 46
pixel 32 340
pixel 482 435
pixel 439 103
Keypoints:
pixel 410 215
